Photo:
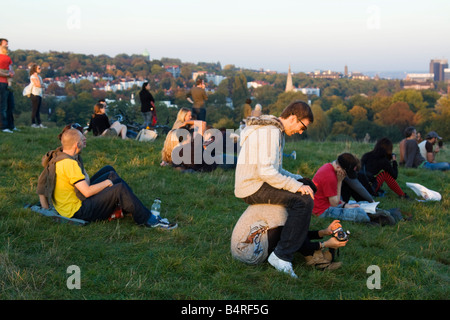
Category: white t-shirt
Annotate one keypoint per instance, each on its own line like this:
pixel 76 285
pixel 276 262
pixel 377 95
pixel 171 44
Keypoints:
pixel 35 90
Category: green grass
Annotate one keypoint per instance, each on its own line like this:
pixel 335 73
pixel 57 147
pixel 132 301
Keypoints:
pixel 119 260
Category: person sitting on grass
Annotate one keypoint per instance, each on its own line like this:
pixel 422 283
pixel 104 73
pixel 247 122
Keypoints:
pixel 185 150
pixel 379 166
pixel 73 197
pixel 48 164
pixel 101 126
pixel 328 179
pixel 184 119
pixel 413 157
pixel 429 149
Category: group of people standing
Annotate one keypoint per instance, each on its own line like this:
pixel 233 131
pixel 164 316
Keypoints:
pixel 6 94
pixel 7 102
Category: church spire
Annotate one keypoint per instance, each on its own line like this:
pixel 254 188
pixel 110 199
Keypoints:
pixel 289 86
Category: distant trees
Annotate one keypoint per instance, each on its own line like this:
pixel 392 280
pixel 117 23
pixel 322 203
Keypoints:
pixel 346 108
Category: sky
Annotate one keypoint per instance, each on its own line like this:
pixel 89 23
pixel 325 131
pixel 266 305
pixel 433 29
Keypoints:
pixel 365 35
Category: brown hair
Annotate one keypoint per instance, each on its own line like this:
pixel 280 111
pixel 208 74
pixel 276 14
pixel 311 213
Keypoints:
pixel 300 109
pixel 33 68
pixel 97 108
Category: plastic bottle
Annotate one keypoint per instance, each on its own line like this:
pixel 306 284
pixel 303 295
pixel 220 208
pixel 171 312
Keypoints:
pixel 156 207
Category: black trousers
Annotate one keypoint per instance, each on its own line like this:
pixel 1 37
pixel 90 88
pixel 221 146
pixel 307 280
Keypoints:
pixel 299 208
pixel 102 205
pixel 36 102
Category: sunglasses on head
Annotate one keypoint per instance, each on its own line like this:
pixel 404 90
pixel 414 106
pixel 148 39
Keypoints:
pixel 76 126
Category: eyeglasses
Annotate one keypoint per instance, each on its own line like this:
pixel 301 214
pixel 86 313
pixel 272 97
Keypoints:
pixel 304 127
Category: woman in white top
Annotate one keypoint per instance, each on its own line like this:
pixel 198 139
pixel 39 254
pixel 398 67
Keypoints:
pixel 36 96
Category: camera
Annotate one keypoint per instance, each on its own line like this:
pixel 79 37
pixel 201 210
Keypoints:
pixel 340 234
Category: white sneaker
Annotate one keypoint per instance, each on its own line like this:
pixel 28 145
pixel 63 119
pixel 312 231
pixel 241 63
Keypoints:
pixel 7 131
pixel 281 265
pixel 34 125
pixel 42 126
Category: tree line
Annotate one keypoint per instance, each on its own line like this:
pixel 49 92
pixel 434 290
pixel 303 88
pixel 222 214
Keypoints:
pixel 347 109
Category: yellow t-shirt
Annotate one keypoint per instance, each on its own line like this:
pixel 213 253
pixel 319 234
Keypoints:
pixel 65 200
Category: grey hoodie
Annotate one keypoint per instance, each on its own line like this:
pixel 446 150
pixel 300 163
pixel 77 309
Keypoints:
pixel 261 158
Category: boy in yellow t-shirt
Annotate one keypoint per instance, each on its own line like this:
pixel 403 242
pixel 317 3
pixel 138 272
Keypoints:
pixel 65 201
pixel 101 199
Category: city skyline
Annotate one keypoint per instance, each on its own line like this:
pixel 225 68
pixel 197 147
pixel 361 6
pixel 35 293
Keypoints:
pixel 373 36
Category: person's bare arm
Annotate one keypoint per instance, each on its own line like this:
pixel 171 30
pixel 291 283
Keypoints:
pixel 43 201
pixel 89 191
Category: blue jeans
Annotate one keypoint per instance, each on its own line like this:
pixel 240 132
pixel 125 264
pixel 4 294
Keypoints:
pixel 437 166
pixel 299 208
pixel 349 214
pixel 148 116
pixel 4 93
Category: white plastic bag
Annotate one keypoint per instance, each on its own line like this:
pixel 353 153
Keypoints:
pixel 27 90
pixel 421 191
pixel 146 135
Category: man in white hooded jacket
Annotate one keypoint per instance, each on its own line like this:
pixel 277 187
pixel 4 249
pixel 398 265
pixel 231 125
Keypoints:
pixel 260 177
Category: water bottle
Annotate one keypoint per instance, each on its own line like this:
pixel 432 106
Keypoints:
pixel 156 207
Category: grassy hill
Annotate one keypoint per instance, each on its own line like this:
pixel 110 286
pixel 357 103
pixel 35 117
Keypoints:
pixel 119 260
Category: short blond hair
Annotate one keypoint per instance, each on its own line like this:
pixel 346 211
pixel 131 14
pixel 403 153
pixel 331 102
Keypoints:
pixel 70 137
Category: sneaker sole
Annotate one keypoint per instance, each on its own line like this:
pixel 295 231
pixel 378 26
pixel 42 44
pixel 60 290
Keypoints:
pixel 165 226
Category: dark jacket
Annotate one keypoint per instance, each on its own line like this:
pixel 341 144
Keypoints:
pixel 373 164
pixel 98 124
pixel 147 101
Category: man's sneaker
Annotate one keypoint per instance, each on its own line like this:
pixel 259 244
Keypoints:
pixel 7 131
pixel 162 223
pixel 34 125
pixel 281 265
pixel 42 126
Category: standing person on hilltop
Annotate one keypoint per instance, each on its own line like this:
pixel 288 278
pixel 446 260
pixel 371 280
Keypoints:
pixel 6 94
pixel 247 109
pixel 147 104
pixel 197 96
pixel 260 177
pixel 36 96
